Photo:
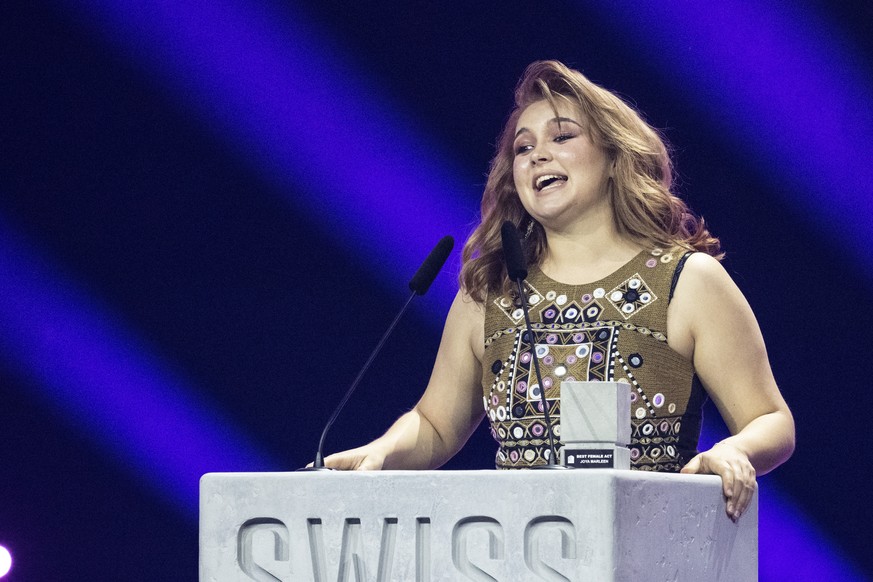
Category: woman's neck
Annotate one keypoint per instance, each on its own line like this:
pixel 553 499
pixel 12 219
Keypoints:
pixel 576 258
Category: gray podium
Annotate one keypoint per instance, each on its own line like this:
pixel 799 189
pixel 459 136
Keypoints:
pixel 427 526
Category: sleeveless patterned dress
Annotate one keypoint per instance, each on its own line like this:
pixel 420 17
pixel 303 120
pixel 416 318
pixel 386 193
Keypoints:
pixel 612 330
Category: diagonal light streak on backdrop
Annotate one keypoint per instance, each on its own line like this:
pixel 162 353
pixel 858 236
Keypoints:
pixel 109 382
pixel 783 88
pixel 790 546
pixel 335 144
pixel 314 126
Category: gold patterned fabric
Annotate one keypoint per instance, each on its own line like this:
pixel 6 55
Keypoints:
pixel 610 330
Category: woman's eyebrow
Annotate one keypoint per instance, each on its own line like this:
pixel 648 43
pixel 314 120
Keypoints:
pixel 554 120
pixel 521 130
pixel 560 120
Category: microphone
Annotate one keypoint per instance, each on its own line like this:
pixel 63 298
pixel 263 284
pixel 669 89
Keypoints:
pixel 516 267
pixel 427 272
pixel 419 284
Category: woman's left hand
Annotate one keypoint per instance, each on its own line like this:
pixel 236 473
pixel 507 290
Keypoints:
pixel 736 472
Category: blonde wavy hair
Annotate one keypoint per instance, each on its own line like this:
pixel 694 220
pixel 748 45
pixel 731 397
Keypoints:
pixel 644 208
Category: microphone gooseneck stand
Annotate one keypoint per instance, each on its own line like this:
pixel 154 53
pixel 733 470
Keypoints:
pixel 419 284
pixel 318 464
pixel 516 268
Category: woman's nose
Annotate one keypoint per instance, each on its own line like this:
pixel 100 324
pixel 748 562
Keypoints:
pixel 539 154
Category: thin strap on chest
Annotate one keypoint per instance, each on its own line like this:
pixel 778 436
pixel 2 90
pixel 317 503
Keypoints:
pixel 676 273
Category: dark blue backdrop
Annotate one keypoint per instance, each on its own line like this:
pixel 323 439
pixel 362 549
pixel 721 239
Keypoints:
pixel 218 241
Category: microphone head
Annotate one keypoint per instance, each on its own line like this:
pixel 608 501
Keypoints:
pixel 516 265
pixel 431 266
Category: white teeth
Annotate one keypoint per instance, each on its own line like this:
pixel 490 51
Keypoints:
pixel 548 179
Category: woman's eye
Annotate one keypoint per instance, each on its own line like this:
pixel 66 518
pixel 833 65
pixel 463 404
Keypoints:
pixel 564 137
pixel 522 148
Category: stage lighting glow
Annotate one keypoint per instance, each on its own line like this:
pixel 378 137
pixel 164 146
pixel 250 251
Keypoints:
pixel 5 561
pixel 338 145
pixel 781 86
pixel 94 371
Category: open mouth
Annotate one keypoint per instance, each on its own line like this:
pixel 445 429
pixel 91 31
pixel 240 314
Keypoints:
pixel 547 180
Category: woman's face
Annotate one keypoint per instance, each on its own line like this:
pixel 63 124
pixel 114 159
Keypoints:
pixel 559 174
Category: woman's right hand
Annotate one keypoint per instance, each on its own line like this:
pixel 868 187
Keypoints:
pixel 450 409
pixel 366 458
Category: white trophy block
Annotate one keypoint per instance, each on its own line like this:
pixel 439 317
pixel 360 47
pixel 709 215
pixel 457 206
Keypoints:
pixel 595 425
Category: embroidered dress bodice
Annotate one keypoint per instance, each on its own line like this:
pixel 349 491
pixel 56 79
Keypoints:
pixel 612 330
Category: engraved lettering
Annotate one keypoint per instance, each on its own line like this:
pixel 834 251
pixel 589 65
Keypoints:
pixel 350 554
pixel 534 533
pixel 422 549
pixel 316 549
pixel 386 553
pixel 460 542
pixel 256 568
pixel 352 560
pixel 267 552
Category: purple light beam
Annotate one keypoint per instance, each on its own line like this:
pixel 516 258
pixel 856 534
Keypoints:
pixel 782 86
pixel 779 83
pixel 337 144
pixel 792 548
pixel 109 383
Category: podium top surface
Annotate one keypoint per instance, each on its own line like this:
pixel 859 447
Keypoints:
pixel 523 474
